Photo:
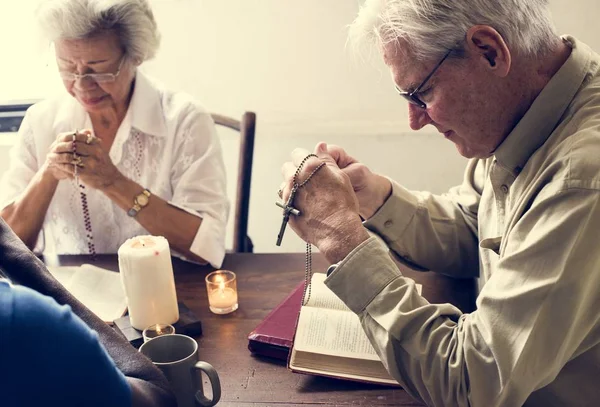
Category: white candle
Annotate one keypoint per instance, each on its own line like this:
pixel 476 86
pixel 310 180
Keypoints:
pixel 224 298
pixel 147 276
pixel 222 291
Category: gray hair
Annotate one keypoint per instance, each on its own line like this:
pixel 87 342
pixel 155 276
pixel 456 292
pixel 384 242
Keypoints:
pixel 431 27
pixel 131 20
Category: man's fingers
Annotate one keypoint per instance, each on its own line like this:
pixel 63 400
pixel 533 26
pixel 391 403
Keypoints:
pixel 298 155
pixel 338 154
pixel 357 175
pixel 288 170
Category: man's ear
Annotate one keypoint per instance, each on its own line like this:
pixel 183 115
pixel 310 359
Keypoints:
pixel 487 46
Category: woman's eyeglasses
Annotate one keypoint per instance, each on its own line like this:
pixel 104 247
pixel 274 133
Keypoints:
pixel 96 77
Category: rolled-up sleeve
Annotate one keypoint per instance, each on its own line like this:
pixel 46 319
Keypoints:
pixel 199 185
pixel 536 312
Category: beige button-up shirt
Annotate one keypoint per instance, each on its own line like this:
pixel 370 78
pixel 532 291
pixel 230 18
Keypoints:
pixel 527 222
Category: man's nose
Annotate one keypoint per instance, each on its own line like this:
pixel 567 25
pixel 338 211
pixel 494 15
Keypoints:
pixel 417 117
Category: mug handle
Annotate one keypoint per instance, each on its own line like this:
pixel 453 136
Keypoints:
pixel 215 383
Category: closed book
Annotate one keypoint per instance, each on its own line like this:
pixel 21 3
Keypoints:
pixel 274 336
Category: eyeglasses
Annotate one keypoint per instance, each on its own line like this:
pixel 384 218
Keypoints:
pixel 96 77
pixel 412 97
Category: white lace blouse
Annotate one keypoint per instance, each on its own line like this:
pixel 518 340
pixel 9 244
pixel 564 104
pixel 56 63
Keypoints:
pixel 166 143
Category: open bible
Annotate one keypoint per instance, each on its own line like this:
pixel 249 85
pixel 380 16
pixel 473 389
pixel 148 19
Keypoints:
pixel 100 290
pixel 330 340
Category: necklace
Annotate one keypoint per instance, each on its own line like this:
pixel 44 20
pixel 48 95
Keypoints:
pixel 288 210
pixel 83 198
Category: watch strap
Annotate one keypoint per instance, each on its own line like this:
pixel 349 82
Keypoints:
pixel 133 211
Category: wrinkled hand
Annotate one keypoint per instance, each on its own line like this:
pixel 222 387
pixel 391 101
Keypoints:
pixel 372 190
pixel 56 162
pixel 329 216
pixel 94 166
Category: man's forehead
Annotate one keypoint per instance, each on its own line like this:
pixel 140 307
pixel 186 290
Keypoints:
pixel 405 68
pixel 396 53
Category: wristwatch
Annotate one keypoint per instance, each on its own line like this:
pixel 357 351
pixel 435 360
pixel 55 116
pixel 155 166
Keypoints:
pixel 139 202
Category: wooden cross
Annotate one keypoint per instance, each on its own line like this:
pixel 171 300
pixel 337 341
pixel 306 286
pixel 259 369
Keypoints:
pixel 287 210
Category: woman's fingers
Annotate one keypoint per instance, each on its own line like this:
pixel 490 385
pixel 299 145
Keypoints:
pixel 81 136
pixel 66 159
pixel 66 144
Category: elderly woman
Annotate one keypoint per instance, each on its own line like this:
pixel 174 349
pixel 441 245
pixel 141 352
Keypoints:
pixel 120 156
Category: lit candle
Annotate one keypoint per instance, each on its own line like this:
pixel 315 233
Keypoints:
pixel 147 276
pixel 157 330
pixel 222 291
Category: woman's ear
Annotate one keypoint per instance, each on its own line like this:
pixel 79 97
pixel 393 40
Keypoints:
pixel 488 47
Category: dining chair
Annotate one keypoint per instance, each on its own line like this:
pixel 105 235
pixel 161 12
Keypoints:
pixel 246 126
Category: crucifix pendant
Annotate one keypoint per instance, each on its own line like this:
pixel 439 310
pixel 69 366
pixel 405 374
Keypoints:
pixel 287 210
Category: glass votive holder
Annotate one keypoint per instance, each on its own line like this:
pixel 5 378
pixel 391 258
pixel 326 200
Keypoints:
pixel 221 286
pixel 157 330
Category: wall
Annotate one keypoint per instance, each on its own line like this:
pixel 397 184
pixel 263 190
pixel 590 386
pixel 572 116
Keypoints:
pixel 287 61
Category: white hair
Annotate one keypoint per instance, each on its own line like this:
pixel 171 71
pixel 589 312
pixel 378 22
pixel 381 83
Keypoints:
pixel 131 20
pixel 431 27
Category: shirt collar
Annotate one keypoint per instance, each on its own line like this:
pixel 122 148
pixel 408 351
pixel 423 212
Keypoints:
pixel 146 107
pixel 539 122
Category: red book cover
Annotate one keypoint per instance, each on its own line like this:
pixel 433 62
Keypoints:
pixel 274 336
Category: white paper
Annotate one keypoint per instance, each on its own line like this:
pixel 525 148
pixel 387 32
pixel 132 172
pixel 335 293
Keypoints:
pixel 98 289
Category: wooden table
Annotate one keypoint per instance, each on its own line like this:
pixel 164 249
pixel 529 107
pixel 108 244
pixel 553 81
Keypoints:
pixel 264 280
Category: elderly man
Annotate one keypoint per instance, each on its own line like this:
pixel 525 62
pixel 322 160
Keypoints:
pixel 524 105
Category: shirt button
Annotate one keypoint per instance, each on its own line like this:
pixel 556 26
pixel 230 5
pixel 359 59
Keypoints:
pixel 388 223
pixel 504 189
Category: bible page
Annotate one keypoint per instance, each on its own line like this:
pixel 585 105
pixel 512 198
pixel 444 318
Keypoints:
pixel 322 297
pixel 332 332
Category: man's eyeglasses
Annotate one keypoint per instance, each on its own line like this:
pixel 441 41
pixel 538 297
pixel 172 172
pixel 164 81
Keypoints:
pixel 96 77
pixel 412 97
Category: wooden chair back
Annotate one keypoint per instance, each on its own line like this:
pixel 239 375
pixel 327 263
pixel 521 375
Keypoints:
pixel 247 127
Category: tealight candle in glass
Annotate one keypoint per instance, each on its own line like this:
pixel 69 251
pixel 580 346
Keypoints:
pixel 157 330
pixel 221 287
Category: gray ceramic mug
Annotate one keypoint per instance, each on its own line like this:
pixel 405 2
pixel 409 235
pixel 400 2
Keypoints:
pixel 177 357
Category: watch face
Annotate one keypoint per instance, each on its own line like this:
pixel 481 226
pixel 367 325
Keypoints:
pixel 142 200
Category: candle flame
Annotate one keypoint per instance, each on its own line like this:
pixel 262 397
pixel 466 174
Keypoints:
pixel 143 242
pixel 221 281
